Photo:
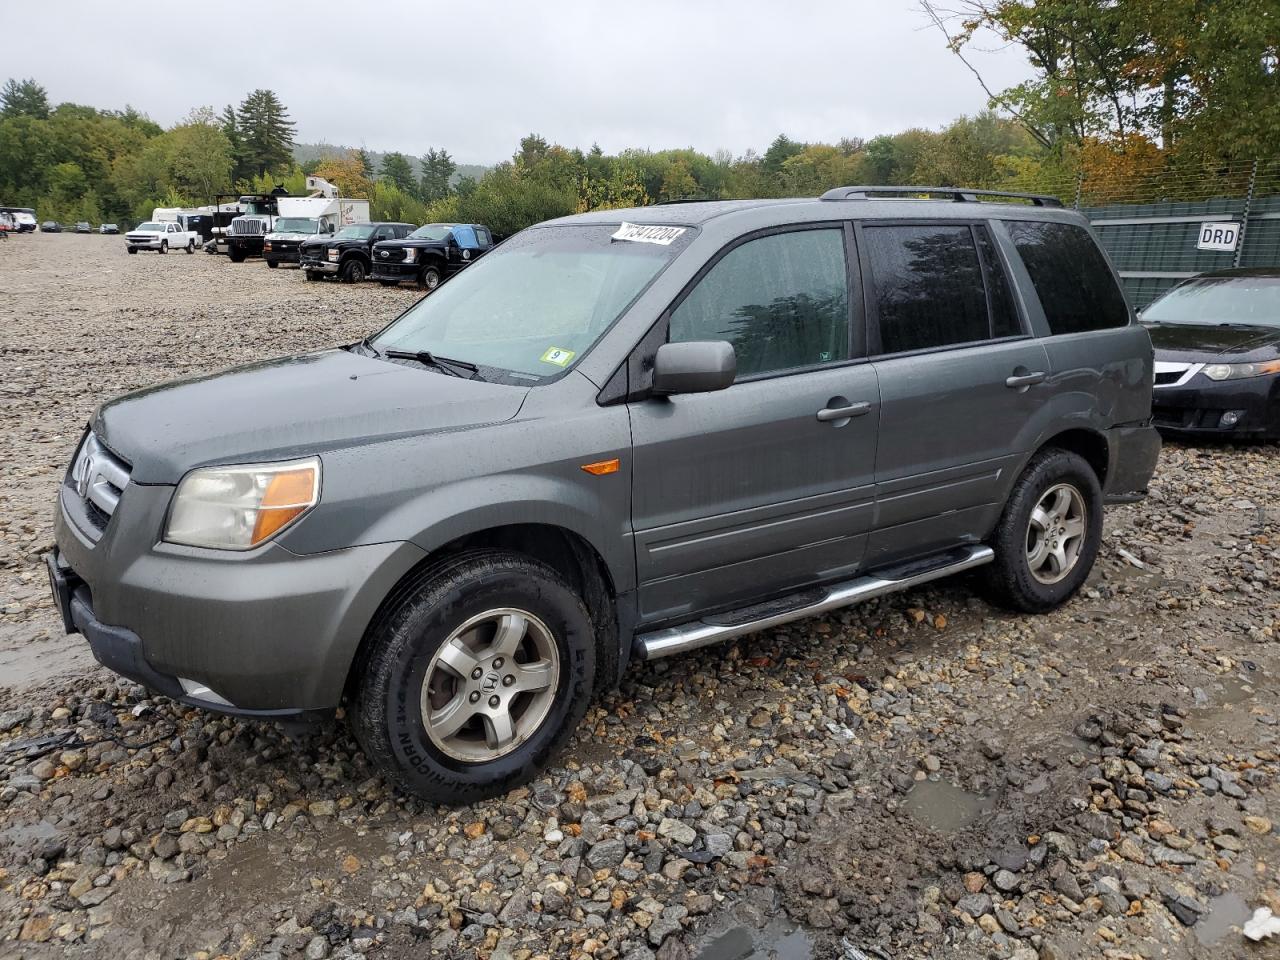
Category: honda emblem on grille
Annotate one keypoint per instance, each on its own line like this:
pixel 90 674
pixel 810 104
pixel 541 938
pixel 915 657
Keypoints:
pixel 82 474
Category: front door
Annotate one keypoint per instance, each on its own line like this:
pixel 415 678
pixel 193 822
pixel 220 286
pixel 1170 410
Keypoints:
pixel 960 379
pixel 766 486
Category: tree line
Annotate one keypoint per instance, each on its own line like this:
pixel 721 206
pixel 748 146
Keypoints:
pixel 1119 92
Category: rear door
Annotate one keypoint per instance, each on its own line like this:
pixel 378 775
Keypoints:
pixel 766 486
pixel 960 377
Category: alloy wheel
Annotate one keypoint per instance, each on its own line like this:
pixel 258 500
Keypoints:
pixel 1056 533
pixel 490 685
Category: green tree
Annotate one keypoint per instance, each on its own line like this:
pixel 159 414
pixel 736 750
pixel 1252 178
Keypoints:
pixel 782 148
pixel 24 98
pixel 366 163
pixel 437 170
pixel 265 133
pixel 397 169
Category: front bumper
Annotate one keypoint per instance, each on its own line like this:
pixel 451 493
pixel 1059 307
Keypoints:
pixel 142 244
pixel 398 271
pixel 1196 409
pixel 264 633
pixel 319 266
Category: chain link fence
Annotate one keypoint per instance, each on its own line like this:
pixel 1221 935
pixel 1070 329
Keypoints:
pixel 1151 221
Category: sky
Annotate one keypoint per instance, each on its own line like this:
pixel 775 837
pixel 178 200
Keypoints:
pixel 474 78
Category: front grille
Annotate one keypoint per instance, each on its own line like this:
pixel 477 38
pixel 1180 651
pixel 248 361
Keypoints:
pixel 248 228
pixel 97 478
pixel 394 269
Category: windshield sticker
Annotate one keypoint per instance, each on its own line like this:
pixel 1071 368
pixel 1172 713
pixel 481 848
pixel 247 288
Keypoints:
pixel 559 356
pixel 639 233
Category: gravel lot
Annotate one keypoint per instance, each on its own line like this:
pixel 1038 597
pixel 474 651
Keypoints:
pixel 916 777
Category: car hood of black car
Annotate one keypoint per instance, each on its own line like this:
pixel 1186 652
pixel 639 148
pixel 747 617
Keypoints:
pixel 1204 342
pixel 291 407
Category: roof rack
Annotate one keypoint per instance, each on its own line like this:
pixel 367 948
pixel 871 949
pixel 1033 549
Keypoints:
pixel 957 194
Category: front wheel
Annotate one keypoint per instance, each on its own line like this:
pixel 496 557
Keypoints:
pixel 236 256
pixel 476 678
pixel 1049 534
pixel 430 278
pixel 352 271
pixel 133 250
pixel 164 246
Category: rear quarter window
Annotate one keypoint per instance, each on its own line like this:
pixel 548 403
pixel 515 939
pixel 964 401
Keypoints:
pixel 1076 288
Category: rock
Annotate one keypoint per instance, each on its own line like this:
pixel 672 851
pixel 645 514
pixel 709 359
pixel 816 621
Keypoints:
pixel 677 831
pixel 975 904
pixel 1005 881
pixel 606 854
pixel 14 718
pixel 1128 849
pixel 317 948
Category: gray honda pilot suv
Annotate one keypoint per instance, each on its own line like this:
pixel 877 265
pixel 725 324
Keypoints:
pixel 621 435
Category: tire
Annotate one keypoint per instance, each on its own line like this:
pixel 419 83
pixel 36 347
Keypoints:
pixel 236 256
pixel 314 275
pixel 1035 569
pixel 402 680
pixel 191 247
pixel 164 246
pixel 430 278
pixel 132 250
pixel 388 283
pixel 273 264
pixel 353 271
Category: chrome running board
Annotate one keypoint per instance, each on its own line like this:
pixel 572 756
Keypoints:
pixel 714 629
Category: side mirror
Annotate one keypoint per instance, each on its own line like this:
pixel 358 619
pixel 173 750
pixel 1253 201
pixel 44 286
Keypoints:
pixel 698 366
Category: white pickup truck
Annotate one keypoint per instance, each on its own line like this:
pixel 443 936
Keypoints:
pixel 161 237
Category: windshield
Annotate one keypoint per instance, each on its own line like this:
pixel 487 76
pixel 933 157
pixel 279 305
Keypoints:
pixel 536 304
pixel 150 227
pixel 1254 301
pixel 432 231
pixel 358 231
pixel 297 225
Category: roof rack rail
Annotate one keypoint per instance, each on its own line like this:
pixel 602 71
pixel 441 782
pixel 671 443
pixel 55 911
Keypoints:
pixel 957 194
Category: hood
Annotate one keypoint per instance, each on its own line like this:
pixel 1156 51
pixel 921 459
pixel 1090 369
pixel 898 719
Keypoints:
pixel 418 242
pixel 289 235
pixel 1203 342
pixel 291 407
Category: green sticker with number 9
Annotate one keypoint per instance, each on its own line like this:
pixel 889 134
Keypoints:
pixel 559 356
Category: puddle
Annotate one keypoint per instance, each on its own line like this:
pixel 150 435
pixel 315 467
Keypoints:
pixel 1224 912
pixel 778 940
pixel 25 663
pixel 27 833
pixel 1233 690
pixel 944 807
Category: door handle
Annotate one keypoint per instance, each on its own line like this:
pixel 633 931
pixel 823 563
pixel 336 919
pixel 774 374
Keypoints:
pixel 827 414
pixel 1019 380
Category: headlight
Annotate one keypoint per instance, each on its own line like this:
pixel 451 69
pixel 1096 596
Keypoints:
pixel 410 254
pixel 266 245
pixel 332 255
pixel 1240 371
pixel 235 508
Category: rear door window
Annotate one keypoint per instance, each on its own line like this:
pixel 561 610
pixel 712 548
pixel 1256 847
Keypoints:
pixel 782 300
pixel 927 286
pixel 1076 287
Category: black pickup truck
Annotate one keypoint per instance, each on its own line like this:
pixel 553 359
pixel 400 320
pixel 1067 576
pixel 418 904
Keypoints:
pixel 347 253
pixel 431 254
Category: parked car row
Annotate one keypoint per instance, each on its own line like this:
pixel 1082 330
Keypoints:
pixel 393 253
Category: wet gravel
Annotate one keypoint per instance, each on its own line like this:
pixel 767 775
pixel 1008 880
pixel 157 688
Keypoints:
pixel 918 776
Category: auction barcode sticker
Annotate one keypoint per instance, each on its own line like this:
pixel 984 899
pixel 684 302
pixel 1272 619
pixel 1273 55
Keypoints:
pixel 639 233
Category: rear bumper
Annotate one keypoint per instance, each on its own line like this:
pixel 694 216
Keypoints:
pixel 1197 409
pixel 1134 450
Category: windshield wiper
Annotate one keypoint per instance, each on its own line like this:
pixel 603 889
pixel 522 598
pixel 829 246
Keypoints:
pixel 429 359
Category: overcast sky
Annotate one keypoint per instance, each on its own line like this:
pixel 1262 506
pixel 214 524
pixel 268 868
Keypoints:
pixel 475 77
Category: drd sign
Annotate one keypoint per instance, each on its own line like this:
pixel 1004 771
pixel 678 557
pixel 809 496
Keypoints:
pixel 1218 236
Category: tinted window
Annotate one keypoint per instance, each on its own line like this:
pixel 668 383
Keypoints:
pixel 1071 277
pixel 1004 313
pixel 482 236
pixel 928 286
pixel 780 300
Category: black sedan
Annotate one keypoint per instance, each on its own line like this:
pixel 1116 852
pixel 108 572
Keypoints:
pixel 1217 343
pixel 51 226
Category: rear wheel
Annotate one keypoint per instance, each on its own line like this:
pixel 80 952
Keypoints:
pixel 191 246
pixel 475 677
pixel 1049 534
pixel 353 271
